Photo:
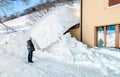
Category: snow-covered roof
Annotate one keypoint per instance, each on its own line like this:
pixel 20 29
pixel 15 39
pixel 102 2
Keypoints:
pixel 54 24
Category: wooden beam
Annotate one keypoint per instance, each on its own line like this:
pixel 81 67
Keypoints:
pixel 117 35
pixel 95 36
pixel 105 36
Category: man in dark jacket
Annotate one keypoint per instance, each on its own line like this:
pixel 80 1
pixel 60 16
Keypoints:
pixel 30 48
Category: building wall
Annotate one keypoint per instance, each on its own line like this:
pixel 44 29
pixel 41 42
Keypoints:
pixel 97 13
pixel 75 33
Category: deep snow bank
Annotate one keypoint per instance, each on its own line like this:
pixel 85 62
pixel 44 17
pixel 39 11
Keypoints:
pixel 54 24
pixel 71 57
pixel 48 33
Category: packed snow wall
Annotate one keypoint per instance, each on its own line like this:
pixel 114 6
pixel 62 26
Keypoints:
pixel 50 27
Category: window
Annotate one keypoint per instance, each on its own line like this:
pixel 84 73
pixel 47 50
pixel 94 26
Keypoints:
pixel 113 2
pixel 108 36
pixel 100 36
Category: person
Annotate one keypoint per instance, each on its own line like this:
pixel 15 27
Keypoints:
pixel 100 42
pixel 30 48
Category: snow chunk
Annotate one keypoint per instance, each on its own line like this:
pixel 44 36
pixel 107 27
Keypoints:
pixel 48 29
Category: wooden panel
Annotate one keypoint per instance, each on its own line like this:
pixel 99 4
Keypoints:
pixel 119 40
pixel 105 36
pixel 117 36
pixel 95 36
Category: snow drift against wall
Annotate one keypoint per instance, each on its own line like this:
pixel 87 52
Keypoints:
pixel 50 27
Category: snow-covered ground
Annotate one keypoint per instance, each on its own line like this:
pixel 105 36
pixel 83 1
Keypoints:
pixel 65 57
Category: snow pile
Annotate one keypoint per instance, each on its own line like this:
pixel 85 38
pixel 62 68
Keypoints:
pixel 68 49
pixel 50 38
pixel 51 26
pixel 71 57
pixel 65 57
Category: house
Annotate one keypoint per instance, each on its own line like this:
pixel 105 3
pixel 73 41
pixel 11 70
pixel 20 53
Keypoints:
pixel 100 23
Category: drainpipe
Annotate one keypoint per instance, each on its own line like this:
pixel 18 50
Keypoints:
pixel 81 16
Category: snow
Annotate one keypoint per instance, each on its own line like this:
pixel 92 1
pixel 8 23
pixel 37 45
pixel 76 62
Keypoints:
pixel 22 23
pixel 65 57
pixel 48 29
pixel 71 57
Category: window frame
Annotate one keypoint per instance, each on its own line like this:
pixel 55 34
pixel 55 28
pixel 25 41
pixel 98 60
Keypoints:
pixel 117 45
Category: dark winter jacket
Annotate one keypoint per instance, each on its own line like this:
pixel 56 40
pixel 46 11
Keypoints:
pixel 30 46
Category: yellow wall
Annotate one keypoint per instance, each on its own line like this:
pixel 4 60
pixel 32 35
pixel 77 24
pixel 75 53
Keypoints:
pixel 97 13
pixel 75 33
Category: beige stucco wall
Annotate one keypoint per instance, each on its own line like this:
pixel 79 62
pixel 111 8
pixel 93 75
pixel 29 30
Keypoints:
pixel 97 13
pixel 75 33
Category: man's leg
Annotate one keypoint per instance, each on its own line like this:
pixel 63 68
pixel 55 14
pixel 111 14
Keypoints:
pixel 30 54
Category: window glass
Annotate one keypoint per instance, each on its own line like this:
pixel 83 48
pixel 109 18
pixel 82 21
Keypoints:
pixel 100 36
pixel 110 36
